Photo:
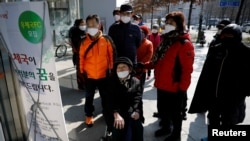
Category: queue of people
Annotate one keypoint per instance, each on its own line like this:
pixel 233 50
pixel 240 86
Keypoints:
pixel 117 65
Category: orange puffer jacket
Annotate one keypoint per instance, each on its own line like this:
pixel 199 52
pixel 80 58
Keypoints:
pixel 99 58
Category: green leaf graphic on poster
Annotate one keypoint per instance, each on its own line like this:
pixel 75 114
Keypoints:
pixel 31 26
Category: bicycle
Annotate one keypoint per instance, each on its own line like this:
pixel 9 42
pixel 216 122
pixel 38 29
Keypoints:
pixel 61 49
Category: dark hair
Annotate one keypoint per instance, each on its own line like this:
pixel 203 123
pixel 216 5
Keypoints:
pixel 77 22
pixel 90 17
pixel 115 11
pixel 179 19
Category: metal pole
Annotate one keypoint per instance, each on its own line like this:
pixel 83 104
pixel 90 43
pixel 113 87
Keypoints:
pixel 78 9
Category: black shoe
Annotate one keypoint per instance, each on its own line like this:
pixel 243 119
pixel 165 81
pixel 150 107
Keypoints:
pixel 184 117
pixel 162 132
pixel 172 138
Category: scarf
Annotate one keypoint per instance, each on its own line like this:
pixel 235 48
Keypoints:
pixel 168 40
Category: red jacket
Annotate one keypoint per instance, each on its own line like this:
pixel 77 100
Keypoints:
pixel 155 39
pixel 165 69
pixel 145 51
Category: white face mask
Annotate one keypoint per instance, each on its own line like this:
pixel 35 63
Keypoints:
pixel 82 27
pixel 169 28
pixel 154 30
pixel 125 19
pixel 117 17
pixel 123 74
pixel 92 31
pixel 136 22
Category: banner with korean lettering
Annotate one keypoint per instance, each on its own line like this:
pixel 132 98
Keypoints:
pixel 25 31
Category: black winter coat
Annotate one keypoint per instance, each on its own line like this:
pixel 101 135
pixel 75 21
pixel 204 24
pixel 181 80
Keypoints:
pixel 127 38
pixel 224 79
pixel 76 35
pixel 126 100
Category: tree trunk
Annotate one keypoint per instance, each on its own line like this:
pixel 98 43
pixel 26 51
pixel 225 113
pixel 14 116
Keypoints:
pixel 190 13
pixel 237 20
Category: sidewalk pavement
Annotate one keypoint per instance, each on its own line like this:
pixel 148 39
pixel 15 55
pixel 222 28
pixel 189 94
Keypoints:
pixel 193 129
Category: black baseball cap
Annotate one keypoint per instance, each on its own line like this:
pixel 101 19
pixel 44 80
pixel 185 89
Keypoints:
pixel 126 8
pixel 223 23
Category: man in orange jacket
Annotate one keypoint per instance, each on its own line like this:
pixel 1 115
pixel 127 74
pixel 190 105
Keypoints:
pixel 144 53
pixel 96 59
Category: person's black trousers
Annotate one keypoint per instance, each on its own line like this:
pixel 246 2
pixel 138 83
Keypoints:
pixel 101 84
pixel 79 76
pixel 170 107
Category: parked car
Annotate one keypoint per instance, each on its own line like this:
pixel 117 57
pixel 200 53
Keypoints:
pixel 246 28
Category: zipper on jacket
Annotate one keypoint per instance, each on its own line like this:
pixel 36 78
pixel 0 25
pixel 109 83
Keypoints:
pixel 218 79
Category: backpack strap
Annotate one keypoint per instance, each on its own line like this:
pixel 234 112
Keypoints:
pixel 90 47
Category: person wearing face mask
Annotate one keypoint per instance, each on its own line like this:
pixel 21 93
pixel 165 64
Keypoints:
pixel 138 20
pixel 173 64
pixel 155 38
pixel 144 54
pixel 97 54
pixel 223 83
pixel 116 15
pixel 126 102
pixel 126 36
pixel 76 34
pixel 220 27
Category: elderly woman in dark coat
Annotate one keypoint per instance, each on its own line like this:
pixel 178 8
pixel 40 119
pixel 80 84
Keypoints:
pixel 224 81
pixel 126 102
